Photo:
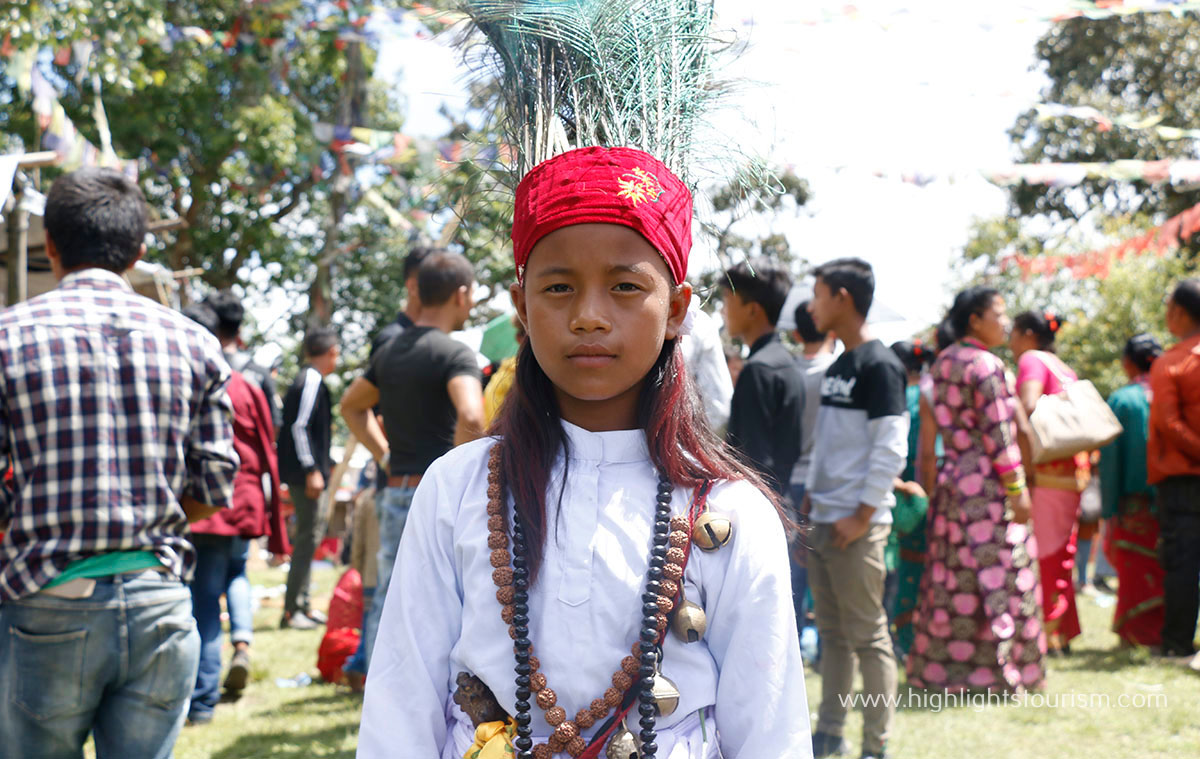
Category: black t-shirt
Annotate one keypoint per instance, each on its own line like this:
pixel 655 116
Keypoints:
pixel 869 379
pixel 412 372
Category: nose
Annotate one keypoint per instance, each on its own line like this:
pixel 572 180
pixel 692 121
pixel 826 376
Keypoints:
pixel 589 313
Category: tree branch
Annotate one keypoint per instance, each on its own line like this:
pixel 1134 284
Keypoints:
pixel 298 190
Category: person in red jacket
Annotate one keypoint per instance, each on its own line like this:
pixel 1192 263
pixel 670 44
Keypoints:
pixel 222 540
pixel 1173 465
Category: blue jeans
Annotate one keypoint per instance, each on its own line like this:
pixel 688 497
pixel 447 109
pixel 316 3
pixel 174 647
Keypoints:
pixel 220 564
pixel 119 663
pixel 799 573
pixel 358 662
pixel 391 506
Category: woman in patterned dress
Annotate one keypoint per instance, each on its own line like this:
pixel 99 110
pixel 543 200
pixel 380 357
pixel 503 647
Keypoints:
pixel 977 623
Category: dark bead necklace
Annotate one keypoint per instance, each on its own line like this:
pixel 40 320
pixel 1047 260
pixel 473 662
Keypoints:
pixel 648 640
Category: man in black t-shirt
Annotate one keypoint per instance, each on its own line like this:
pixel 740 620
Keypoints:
pixel 429 389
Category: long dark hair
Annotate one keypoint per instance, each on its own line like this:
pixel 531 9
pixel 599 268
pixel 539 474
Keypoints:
pixel 682 444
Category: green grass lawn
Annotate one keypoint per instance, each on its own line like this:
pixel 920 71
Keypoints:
pixel 322 720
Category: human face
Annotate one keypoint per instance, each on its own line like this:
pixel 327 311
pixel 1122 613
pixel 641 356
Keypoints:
pixel 465 300
pixel 734 312
pixel 826 306
pixel 598 303
pixel 327 361
pixel 1179 323
pixel 992 326
pixel 1020 342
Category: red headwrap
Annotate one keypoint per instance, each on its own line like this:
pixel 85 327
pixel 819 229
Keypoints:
pixel 606 186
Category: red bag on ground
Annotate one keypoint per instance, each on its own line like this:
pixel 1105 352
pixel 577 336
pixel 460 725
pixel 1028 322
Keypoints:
pixel 342 631
pixel 336 648
pixel 346 607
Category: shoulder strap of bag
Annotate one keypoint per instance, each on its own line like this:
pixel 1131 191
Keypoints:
pixel 1052 363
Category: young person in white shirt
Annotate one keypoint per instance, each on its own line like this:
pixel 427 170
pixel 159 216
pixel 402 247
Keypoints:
pixel 595 468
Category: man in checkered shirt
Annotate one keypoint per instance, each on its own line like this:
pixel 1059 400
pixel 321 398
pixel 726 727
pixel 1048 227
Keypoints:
pixel 116 424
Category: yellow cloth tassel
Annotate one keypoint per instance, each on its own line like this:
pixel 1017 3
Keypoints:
pixel 493 740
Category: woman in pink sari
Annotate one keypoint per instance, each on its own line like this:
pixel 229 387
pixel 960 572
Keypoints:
pixel 976 624
pixel 1056 485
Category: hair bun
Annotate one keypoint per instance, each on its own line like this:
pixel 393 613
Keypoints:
pixel 1053 322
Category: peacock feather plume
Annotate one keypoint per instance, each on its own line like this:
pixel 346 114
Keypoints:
pixel 580 73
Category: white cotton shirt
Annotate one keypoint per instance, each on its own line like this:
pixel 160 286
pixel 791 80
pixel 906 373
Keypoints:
pixel 704 356
pixel 441 616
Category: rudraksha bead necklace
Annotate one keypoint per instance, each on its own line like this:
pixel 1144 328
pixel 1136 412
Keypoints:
pixel 663 585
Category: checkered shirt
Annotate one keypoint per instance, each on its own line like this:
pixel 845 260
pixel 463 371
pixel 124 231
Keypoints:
pixel 112 409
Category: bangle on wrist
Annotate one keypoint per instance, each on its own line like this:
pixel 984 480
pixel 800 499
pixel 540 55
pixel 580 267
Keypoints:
pixel 1015 488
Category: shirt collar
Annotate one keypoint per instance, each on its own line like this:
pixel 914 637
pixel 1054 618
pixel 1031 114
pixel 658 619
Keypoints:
pixel 94 278
pixel 616 447
pixel 762 341
pixel 1188 344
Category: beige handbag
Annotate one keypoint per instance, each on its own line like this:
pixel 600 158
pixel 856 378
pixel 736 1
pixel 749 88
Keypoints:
pixel 1075 420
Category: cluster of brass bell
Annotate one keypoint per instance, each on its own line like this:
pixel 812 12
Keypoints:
pixel 710 532
pixel 689 623
pixel 624 744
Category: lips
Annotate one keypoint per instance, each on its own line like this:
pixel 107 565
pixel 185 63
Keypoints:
pixel 591 356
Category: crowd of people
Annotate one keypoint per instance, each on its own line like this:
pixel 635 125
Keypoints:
pixel 888 506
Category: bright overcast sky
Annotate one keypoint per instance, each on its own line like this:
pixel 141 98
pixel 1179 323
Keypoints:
pixel 930 90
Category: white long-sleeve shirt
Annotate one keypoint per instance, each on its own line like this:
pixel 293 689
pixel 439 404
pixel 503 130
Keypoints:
pixel 704 355
pixel 441 616
pixel 861 435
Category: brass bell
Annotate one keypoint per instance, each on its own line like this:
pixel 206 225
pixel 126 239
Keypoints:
pixel 622 746
pixel 666 695
pixel 689 622
pixel 712 531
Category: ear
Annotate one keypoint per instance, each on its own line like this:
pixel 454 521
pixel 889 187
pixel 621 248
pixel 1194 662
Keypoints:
pixel 680 299
pixel 843 293
pixel 517 292
pixel 140 255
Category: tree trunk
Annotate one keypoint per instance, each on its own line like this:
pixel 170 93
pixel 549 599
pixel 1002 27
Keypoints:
pixel 350 105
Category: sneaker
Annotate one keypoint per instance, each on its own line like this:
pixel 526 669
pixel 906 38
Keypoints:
pixel 825 744
pixel 297 620
pixel 1194 664
pixel 199 718
pixel 239 673
pixel 316 616
pixel 1104 586
pixel 356 680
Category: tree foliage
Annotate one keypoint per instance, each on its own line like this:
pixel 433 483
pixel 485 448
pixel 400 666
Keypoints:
pixel 1098 315
pixel 1142 64
pixel 223 124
